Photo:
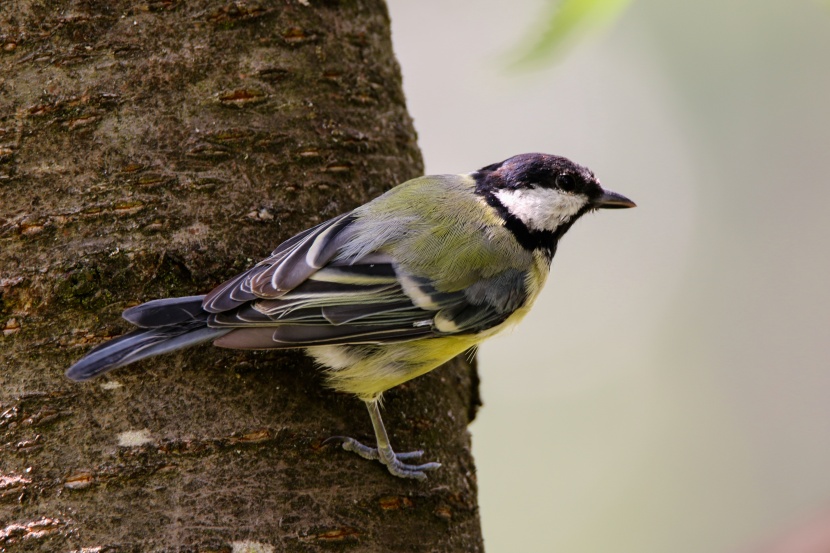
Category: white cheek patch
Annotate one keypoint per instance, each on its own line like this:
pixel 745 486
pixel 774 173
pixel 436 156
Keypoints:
pixel 541 208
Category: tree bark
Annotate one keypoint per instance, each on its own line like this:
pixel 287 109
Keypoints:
pixel 154 149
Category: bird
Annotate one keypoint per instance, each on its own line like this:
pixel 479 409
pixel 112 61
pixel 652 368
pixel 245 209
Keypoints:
pixel 388 291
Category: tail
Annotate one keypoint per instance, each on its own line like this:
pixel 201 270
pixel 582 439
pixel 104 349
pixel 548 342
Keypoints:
pixel 164 325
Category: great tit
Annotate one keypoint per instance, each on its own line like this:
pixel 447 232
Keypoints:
pixel 389 291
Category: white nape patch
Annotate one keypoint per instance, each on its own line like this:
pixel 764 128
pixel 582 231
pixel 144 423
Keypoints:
pixel 134 438
pixel 111 385
pixel 541 208
pixel 248 546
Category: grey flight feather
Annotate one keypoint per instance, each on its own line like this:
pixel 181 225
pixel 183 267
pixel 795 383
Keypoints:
pixel 165 312
pixel 288 266
pixel 139 344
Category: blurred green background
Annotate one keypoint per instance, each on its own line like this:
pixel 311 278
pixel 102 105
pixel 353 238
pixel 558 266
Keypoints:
pixel 670 392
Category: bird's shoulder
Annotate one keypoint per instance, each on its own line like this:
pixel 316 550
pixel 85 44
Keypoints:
pixel 438 227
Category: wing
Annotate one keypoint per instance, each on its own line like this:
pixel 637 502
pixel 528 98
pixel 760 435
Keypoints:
pixel 370 301
pixel 360 277
pixel 287 267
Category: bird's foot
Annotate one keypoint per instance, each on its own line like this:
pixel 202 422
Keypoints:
pixel 394 461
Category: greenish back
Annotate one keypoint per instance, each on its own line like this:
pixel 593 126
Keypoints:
pixel 455 239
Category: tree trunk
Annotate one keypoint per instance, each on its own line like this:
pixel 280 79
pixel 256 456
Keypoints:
pixel 153 149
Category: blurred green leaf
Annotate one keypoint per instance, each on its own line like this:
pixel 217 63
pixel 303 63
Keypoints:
pixel 565 21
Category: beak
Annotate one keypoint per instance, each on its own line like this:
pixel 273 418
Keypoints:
pixel 612 200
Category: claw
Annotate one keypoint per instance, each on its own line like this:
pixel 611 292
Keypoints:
pixel 332 439
pixel 393 461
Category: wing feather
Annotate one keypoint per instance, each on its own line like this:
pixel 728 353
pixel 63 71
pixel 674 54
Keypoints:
pixel 308 292
pixel 313 335
pixel 303 260
pixel 371 307
pixel 289 265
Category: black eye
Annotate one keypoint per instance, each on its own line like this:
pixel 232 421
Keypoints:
pixel 566 182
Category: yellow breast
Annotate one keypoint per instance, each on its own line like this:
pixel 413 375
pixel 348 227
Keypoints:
pixel 367 370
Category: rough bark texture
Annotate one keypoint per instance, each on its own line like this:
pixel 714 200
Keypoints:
pixel 152 149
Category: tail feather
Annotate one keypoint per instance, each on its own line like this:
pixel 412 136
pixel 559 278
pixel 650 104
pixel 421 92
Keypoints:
pixel 164 312
pixel 164 325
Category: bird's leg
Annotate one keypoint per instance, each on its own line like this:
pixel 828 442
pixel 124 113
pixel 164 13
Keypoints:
pixel 383 452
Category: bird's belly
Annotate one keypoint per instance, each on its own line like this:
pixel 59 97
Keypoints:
pixel 367 370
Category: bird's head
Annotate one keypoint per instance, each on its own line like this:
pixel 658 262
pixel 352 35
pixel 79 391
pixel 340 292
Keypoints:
pixel 540 196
